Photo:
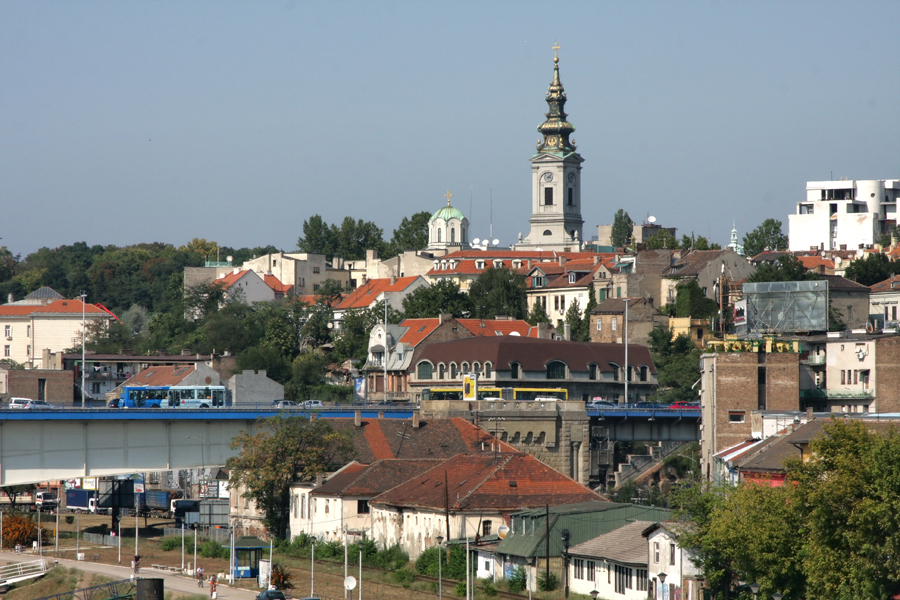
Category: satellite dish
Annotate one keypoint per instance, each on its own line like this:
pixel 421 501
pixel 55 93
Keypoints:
pixel 651 219
pixel 539 249
pixel 349 582
pixel 229 258
pixel 837 261
pixel 495 242
pixel 516 333
pixel 823 254
pixel 476 241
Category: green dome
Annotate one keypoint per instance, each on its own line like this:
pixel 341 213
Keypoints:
pixel 447 213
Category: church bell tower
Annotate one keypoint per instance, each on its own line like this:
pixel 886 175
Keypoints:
pixel 556 222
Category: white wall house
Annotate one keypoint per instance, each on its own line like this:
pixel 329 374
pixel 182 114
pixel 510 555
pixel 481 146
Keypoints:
pixel 842 215
pixel 614 564
pixel 682 577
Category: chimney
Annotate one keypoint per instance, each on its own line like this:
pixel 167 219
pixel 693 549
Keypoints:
pixel 444 317
pixel 357 419
pixel 596 258
pixel 9 298
pixel 809 414
pixel 393 279
pixel 415 419
pixel 320 479
pixel 237 270
pixel 530 263
pixel 371 255
pixel 562 260
pixel 364 278
pixel 567 332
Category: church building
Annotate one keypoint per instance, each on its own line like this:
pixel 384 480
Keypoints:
pixel 556 222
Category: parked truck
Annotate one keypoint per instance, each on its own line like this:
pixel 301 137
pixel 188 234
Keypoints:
pixel 83 501
pixel 45 501
pixel 157 503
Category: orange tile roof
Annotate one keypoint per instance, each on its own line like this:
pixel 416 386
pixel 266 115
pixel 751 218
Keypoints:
pixel 161 375
pixel 58 307
pixel 488 481
pixel 367 294
pixel 811 262
pixel 274 283
pixel 226 281
pixel 887 285
pixel 491 327
pixel 419 329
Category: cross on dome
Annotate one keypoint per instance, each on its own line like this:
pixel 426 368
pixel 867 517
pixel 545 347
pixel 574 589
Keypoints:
pixel 448 195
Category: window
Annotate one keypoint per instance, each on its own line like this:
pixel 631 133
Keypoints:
pixel 592 371
pixel 623 579
pixel 537 281
pixel 562 303
pixel 6 350
pixel 303 506
pixel 315 287
pixel 556 302
pixel 556 370
pixel 615 323
pixel 95 388
pixel 571 197
pixel 843 374
pixel 579 568
pixel 326 506
pixel 453 371
pixel 548 196
pixel 487 369
pixel 642 580
pixel 425 370
pixel 548 232
pixel 316 269
pixel 514 370
pixel 599 324
pixel 28 350
pixel 644 371
pixel 591 567
pixel 464 367
pixel 485 528
pixel 42 389
pixel 656 552
pixel 442 371
pixel 618 292
pixel 439 235
pixel 736 416
pixel 8 330
pixel 671 553
pixel 572 278
pixel 28 327
pixel 362 507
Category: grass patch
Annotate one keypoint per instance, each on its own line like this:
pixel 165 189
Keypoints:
pixel 58 580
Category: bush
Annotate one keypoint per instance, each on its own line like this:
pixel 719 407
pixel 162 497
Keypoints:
pixel 461 589
pixel 405 577
pixel 211 549
pixel 70 519
pixel 487 584
pixel 170 543
pixel 19 529
pixel 517 580
pixel 547 582
pixel 391 559
pixel 281 578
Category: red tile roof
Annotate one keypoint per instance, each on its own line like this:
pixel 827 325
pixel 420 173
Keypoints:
pixel 374 479
pixel 368 293
pixel 488 481
pixel 888 285
pixel 161 375
pixel 813 262
pixel 58 307
pixel 419 329
pixel 378 439
pixel 494 327
pixel 274 283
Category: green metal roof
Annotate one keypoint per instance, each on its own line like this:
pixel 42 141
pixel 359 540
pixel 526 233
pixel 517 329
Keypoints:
pixel 447 213
pixel 585 521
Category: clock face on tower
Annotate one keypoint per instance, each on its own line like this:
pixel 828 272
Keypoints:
pixel 548 176
pixel 571 177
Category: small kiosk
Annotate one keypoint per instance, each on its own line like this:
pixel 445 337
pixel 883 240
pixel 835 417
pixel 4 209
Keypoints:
pixel 248 551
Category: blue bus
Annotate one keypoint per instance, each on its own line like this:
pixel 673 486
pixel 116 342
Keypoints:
pixel 175 396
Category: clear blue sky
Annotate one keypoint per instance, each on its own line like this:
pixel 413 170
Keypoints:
pixel 127 122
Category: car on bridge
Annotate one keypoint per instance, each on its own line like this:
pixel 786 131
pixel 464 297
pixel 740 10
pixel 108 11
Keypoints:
pixel 29 404
pixel 284 404
pixel 682 405
pixel 599 404
pixel 313 404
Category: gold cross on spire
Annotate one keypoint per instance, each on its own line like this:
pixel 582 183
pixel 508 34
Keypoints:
pixel 448 195
pixel 555 51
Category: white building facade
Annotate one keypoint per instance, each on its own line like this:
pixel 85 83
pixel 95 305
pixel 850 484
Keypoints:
pixel 843 215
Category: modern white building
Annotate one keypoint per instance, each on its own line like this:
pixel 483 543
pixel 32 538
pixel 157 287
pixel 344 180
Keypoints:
pixel 843 215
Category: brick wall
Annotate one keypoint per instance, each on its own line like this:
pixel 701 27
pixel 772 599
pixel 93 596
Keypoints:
pixel 59 385
pixel 887 374
pixel 783 381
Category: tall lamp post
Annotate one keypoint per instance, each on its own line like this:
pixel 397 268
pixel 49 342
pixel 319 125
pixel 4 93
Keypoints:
pixel 662 583
pixel 754 587
pixel 362 545
pixel 565 541
pixel 83 298
pixel 312 569
pixel 440 541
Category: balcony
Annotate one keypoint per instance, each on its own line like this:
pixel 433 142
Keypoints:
pixel 816 360
pixel 836 394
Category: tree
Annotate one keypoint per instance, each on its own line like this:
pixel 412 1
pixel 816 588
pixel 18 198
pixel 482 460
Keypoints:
pixel 307 374
pixel 767 236
pixel 698 243
pixel 662 239
pixel 537 314
pixel 786 268
pixel 875 267
pixel 352 339
pixel 498 291
pixel 574 320
pixel 14 491
pixel 201 247
pixel 444 297
pixel 622 229
pixel 317 237
pixel 8 264
pixel 355 237
pixel 677 364
pixel 691 302
pixel 286 450
pixel 411 234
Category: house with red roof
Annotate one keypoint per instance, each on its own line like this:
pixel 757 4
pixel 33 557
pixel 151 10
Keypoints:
pixel 247 285
pixel 31 332
pixel 373 291
pixel 396 344
pixel 560 284
pixel 884 299
pixel 467 497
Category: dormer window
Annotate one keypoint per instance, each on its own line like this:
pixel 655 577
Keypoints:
pixel 498 263
pixel 572 277
pixel 517 264
pixel 537 281
pixel 479 264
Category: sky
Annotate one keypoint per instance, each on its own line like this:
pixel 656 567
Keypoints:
pixel 132 122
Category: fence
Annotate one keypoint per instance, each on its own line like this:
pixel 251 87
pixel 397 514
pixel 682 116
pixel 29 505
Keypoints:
pixel 217 535
pixel 97 539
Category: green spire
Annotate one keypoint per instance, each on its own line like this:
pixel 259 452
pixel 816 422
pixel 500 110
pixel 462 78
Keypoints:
pixel 556 129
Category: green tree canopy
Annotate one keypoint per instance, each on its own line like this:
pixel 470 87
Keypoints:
pixel 875 267
pixel 698 243
pixel 622 229
pixel 691 302
pixel 444 297
pixel 767 236
pixel 662 239
pixel 498 291
pixel 352 340
pixel 537 314
pixel 677 364
pixel 411 234
pixel 787 268
pixel 317 237
pixel 283 451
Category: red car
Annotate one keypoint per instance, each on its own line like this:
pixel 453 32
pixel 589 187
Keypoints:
pixel 682 405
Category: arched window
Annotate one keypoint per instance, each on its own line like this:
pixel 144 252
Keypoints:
pixel 644 371
pixel 442 370
pixel 326 506
pixel 425 370
pixel 487 369
pixel 476 368
pixel 556 369
pixel 439 235
pixel 546 232
pixel 514 369
pixel 452 235
pixel 453 371
pixel 464 367
pixel 616 369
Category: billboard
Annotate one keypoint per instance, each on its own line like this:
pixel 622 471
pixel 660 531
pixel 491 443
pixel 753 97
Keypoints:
pixel 784 307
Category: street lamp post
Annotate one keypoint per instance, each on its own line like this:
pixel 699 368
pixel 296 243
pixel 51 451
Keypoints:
pixel 312 569
pixel 83 298
pixel 662 583
pixel 565 541
pixel 440 541
pixel 754 587
pixel 777 596
pixel 362 544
